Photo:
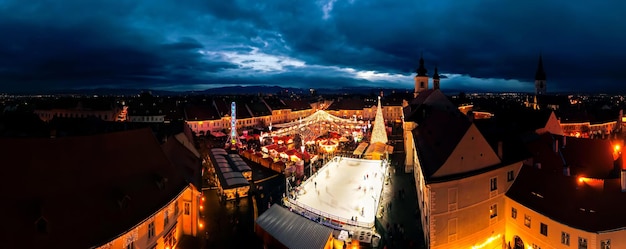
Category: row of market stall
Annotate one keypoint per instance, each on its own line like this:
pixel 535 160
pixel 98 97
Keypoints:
pixel 232 174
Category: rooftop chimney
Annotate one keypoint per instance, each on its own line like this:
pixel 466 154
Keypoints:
pixel 500 149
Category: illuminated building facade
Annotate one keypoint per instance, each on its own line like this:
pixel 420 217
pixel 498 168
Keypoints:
pixel 460 179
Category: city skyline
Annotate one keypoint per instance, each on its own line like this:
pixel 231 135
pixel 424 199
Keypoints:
pixel 476 45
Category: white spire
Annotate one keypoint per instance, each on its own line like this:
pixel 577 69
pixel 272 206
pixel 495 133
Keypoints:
pixel 379 134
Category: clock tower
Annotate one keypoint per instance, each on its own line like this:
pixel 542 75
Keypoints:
pixel 421 79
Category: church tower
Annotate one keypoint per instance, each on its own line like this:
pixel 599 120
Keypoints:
pixel 436 79
pixel 540 79
pixel 421 79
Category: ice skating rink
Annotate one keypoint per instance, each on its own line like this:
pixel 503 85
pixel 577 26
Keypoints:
pixel 347 188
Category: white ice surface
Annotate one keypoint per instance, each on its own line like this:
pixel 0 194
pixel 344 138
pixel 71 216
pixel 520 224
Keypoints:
pixel 337 191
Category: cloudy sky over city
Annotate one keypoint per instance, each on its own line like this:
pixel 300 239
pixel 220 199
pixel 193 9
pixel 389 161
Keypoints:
pixel 489 45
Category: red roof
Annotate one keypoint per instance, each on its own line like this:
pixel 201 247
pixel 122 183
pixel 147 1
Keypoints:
pixel 76 185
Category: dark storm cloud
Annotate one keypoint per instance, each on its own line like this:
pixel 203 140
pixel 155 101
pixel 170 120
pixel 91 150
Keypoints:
pixel 72 44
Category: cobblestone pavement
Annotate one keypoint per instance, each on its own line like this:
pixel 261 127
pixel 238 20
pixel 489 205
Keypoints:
pixel 400 220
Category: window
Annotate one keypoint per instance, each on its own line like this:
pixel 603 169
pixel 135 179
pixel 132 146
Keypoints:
pixel 527 221
pixel 170 238
pixel 493 211
pixel 605 244
pixel 543 229
pixel 130 245
pixel 582 243
pixel 187 208
pixel 176 208
pixel 151 230
pixel 494 183
pixel 565 238
pixel 510 176
pixel 514 213
pixel 166 218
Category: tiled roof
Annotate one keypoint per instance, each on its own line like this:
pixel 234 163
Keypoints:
pixel 90 188
pixel 275 103
pixel 223 106
pixel 258 107
pixel 437 136
pixel 590 205
pixel 588 157
pixel 585 157
pixel 297 104
pixel 195 112
pixel 347 104
pixel 292 230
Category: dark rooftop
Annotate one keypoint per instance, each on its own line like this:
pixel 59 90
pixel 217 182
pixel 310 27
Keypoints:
pixel 77 185
pixel 590 205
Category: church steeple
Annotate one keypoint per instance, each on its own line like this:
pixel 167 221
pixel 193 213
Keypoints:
pixel 421 70
pixel 540 74
pixel 436 79
pixel 540 78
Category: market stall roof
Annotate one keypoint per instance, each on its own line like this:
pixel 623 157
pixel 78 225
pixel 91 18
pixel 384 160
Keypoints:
pixel 293 230
pixel 360 149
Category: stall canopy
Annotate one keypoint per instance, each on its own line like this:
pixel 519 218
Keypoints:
pixel 293 230
pixel 378 150
pixel 360 149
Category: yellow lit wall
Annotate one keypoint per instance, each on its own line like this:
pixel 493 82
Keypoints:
pixel 179 223
pixel 532 236
pixel 460 210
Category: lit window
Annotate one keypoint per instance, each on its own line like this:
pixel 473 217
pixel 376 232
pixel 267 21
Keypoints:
pixel 187 208
pixel 605 244
pixel 494 183
pixel 493 211
pixel 151 230
pixel 543 229
pixel 565 238
pixel 510 176
pixel 582 243
pixel 514 213
pixel 527 221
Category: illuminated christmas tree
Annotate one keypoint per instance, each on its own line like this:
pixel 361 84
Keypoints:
pixel 379 134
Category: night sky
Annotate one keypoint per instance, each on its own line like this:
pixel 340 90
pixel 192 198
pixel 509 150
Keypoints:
pixel 198 44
